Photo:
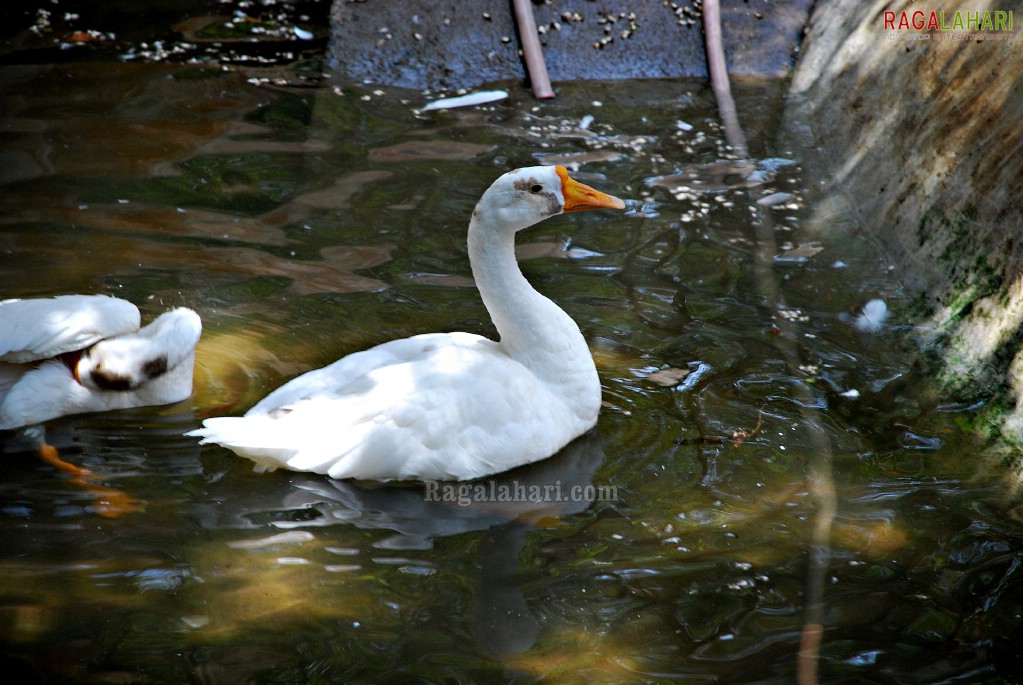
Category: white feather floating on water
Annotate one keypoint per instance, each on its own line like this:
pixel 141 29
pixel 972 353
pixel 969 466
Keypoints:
pixel 872 317
pixel 480 98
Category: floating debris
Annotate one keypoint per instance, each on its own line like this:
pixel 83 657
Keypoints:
pixel 774 199
pixel 798 255
pixel 772 164
pixel 915 441
pixel 669 377
pixel 480 98
pixel 541 250
pixel 872 317
pixel 89 36
pixel 700 369
pixel 711 177
pixel 810 369
pixel 290 538
pixel 643 210
pixel 573 160
pixel 793 314
pixel 726 174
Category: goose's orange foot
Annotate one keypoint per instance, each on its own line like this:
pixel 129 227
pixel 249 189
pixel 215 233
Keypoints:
pixel 49 454
pixel 110 502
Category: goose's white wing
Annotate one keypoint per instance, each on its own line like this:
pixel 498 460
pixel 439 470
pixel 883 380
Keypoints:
pixel 41 328
pixel 435 406
pixel 31 395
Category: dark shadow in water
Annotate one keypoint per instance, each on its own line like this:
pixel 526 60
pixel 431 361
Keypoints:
pixel 507 506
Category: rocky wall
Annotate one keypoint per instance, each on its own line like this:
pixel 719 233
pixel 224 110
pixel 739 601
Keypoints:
pixel 917 108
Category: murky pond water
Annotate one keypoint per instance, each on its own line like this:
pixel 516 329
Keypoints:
pixel 689 538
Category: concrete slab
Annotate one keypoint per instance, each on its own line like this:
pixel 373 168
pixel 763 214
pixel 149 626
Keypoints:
pixel 449 44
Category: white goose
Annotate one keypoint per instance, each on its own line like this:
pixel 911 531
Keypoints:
pixel 73 354
pixel 444 406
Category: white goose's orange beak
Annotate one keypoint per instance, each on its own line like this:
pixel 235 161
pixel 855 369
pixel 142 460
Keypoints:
pixel 579 196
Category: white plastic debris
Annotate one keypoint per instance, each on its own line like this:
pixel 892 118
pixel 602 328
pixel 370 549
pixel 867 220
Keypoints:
pixel 774 199
pixel 480 98
pixel 775 163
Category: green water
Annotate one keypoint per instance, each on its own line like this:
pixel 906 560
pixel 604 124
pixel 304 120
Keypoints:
pixel 306 223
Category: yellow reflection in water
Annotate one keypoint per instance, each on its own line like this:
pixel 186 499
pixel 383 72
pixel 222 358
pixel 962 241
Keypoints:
pixel 232 369
pixel 873 539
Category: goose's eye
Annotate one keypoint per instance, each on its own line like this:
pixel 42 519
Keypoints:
pixel 535 188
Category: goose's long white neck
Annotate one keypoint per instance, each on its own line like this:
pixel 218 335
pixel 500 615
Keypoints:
pixel 532 329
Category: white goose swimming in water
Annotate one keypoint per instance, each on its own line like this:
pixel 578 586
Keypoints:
pixel 445 406
pixel 73 354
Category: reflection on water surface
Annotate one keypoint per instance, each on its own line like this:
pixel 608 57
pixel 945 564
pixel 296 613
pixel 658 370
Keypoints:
pixel 305 224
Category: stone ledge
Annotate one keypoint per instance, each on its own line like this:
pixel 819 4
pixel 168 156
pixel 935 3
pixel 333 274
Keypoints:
pixel 448 44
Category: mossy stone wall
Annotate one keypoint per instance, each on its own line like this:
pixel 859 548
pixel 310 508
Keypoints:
pixel 923 131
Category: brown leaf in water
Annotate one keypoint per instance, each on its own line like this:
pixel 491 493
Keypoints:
pixel 712 177
pixel 669 377
pixel 799 254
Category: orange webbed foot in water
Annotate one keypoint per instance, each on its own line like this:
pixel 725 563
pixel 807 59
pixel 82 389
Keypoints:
pixel 110 502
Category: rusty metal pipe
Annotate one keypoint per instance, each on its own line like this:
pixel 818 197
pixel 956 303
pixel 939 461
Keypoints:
pixel 718 70
pixel 536 68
